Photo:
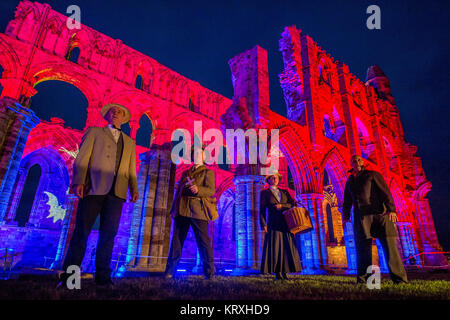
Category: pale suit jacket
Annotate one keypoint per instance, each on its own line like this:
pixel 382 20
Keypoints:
pixel 96 161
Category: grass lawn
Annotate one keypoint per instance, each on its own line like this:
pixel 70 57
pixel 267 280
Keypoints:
pixel 423 286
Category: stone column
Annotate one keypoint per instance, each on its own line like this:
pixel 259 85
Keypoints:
pixel 69 219
pixel 16 122
pixel 134 126
pixel 350 247
pixel 313 243
pixel 150 225
pixel 381 258
pixel 248 232
pixel 349 118
pixel 430 246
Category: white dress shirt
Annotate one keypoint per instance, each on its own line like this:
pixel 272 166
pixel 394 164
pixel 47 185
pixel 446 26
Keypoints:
pixel 116 133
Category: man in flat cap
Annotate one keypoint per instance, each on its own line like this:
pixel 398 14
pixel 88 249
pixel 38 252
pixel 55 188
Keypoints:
pixel 374 217
pixel 103 170
pixel 195 183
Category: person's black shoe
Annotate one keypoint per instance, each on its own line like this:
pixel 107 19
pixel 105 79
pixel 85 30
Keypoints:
pixel 360 283
pixel 62 281
pixel 209 276
pixel 362 279
pixel 278 276
pixel 104 282
pixel 284 276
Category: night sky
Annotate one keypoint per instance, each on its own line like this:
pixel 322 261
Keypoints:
pixel 197 38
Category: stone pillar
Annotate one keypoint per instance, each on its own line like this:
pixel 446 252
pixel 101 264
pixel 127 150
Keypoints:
pixel 15 125
pixel 381 258
pixel 160 136
pixel 403 238
pixel 250 77
pixel 64 239
pixel 349 118
pixel 248 232
pixel 313 243
pixel 134 126
pixel 150 225
pixel 350 247
pixel 429 242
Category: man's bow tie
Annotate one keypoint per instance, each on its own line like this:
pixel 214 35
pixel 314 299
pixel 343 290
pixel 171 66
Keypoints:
pixel 117 128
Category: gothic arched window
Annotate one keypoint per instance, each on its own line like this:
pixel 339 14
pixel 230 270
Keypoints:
pixel 28 194
pixel 144 133
pixel 138 84
pixel 73 55
pixel 1 75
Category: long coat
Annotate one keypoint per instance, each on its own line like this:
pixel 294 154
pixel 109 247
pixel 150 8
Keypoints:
pixel 95 163
pixel 280 253
pixel 370 197
pixel 275 220
pixel 186 203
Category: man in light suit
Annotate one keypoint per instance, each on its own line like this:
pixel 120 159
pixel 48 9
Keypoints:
pixel 103 170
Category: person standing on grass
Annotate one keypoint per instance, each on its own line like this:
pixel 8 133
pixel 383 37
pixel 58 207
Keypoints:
pixel 374 217
pixel 103 170
pixel 196 182
pixel 280 253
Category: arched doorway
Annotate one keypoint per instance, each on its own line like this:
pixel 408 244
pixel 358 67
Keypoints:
pixel 334 231
pixel 62 100
pixel 27 197
pixel 225 232
pixel 144 133
pixel 342 253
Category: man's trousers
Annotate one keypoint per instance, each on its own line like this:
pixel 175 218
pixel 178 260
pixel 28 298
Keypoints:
pixel 200 228
pixel 394 261
pixel 110 208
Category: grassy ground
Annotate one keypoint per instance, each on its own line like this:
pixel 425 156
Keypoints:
pixel 423 286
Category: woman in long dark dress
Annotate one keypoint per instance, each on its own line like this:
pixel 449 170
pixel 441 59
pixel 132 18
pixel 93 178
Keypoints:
pixel 280 254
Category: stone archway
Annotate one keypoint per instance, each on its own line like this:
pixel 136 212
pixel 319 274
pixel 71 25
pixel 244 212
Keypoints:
pixel 37 243
pixel 49 102
pixel 336 168
pixel 54 179
pixel 224 232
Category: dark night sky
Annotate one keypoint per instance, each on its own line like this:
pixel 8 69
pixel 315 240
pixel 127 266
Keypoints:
pixel 197 38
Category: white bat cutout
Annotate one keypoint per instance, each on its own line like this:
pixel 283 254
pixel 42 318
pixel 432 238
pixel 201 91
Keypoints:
pixel 73 153
pixel 56 211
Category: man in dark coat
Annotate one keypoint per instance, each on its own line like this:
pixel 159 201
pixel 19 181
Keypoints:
pixel 187 210
pixel 374 217
pixel 279 254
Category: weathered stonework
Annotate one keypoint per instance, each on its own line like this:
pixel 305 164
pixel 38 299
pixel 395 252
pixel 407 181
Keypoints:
pixel 148 246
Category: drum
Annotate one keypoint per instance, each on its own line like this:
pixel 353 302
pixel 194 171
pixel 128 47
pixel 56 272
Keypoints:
pixel 298 220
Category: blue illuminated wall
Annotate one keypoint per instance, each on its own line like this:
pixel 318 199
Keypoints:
pixel 39 238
